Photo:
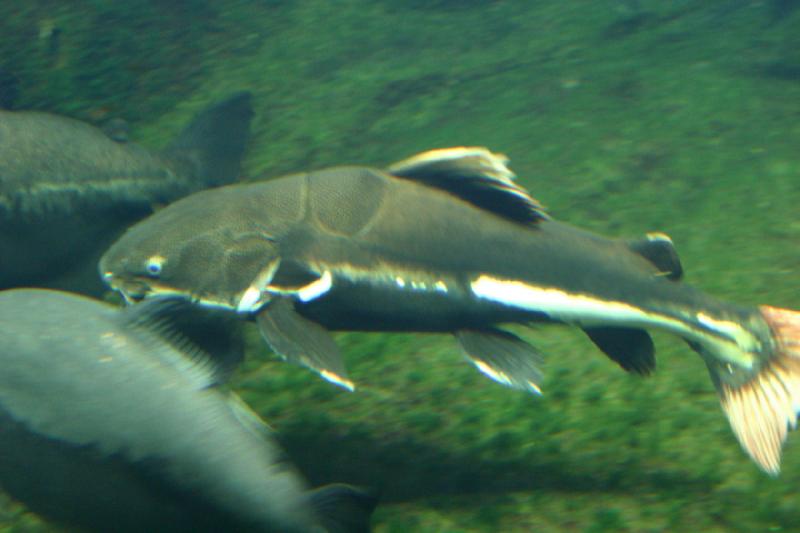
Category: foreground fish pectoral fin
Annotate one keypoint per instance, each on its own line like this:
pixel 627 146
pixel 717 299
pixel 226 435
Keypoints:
pixel 302 341
pixel 504 357
pixel 476 175
pixel 762 402
pixel 156 322
pixel 658 249
pixel 341 507
pixel 631 348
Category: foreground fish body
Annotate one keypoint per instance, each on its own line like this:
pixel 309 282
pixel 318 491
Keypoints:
pixel 106 425
pixel 446 241
pixel 68 189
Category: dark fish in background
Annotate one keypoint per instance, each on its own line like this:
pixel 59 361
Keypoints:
pixel 9 89
pixel 117 129
pixel 109 422
pixel 446 241
pixel 68 189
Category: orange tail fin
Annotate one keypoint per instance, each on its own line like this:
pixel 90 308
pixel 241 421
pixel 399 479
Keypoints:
pixel 762 410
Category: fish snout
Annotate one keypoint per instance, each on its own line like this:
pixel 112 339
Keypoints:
pixel 130 292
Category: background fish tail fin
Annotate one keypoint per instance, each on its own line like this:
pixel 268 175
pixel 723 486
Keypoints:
pixel 214 141
pixel 343 508
pixel 762 403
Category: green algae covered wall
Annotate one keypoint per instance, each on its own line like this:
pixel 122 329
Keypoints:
pixel 620 116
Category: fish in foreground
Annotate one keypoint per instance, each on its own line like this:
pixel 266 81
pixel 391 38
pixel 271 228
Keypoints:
pixel 110 422
pixel 447 241
pixel 68 189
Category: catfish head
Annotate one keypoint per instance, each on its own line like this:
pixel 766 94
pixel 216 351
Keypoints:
pixel 207 248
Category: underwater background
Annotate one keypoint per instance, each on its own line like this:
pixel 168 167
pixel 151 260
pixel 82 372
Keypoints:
pixel 622 117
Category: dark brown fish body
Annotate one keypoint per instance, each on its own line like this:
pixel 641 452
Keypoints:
pixel 67 189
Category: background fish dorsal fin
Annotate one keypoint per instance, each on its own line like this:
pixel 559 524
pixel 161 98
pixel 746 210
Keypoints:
pixel 659 250
pixel 170 321
pixel 476 175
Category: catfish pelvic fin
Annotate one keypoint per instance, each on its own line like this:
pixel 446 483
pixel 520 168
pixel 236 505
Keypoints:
pixel 475 175
pixel 659 250
pixel 302 341
pixel 630 348
pixel 504 357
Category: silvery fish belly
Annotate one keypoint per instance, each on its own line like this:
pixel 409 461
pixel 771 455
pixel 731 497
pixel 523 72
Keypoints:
pixel 68 189
pixel 112 422
pixel 447 241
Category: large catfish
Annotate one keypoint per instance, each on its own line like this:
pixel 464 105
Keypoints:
pixel 446 241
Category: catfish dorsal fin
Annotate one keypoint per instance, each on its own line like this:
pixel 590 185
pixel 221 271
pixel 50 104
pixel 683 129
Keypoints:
pixel 476 175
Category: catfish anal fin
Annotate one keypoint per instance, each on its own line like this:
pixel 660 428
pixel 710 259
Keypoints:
pixel 630 348
pixel 504 357
pixel 302 341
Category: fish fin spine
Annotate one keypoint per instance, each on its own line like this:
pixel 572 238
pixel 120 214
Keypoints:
pixel 343 508
pixel 763 408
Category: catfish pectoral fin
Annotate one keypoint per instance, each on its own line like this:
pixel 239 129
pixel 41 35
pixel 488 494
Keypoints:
pixel 504 357
pixel 630 348
pixel 302 341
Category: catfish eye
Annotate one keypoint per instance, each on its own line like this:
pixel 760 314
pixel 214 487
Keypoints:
pixel 154 266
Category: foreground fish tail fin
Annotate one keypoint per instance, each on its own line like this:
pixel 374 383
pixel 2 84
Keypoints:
pixel 762 403
pixel 214 141
pixel 342 508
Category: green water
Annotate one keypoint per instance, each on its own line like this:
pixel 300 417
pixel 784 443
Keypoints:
pixel 621 117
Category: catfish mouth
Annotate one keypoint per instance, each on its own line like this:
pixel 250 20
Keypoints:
pixel 130 295
pixel 137 292
pixel 131 291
